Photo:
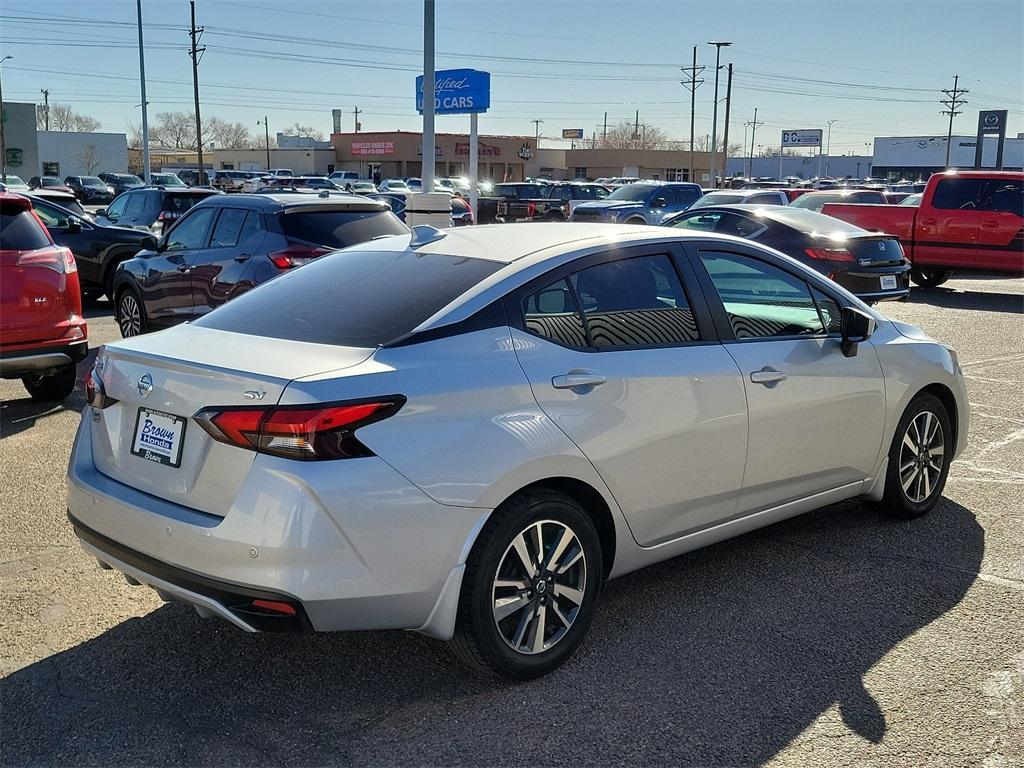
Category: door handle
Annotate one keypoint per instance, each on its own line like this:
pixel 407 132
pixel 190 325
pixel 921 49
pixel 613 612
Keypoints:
pixel 768 376
pixel 242 257
pixel 577 379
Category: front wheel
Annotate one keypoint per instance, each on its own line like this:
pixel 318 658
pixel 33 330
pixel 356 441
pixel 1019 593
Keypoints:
pixel 919 458
pixel 530 588
pixel 54 385
pixel 131 316
pixel 929 278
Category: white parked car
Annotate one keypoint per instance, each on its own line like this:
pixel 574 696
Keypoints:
pixel 394 185
pixel 466 433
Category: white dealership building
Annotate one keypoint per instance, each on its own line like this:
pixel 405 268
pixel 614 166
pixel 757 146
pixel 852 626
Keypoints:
pixel 917 157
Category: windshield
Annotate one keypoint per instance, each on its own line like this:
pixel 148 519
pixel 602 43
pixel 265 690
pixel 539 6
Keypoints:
pixel 91 181
pixel 717 198
pixel 14 180
pixel 167 179
pixel 808 222
pixel 912 200
pixel 814 202
pixel 353 298
pixel 634 192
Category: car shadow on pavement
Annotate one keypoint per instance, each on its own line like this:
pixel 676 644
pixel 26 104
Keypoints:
pixel 982 301
pixel 24 412
pixel 719 657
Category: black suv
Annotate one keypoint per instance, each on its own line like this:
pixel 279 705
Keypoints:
pixel 121 182
pixel 90 189
pixel 226 245
pixel 151 208
pixel 98 250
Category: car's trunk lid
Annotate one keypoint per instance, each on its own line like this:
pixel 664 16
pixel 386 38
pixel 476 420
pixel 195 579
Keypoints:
pixel 875 250
pixel 180 372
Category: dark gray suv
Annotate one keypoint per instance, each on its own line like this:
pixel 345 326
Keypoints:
pixel 151 208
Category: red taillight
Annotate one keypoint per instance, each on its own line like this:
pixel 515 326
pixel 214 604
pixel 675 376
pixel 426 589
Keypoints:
pixel 56 258
pixel 829 254
pixel 308 433
pixel 531 208
pixel 167 216
pixel 95 394
pixel 296 254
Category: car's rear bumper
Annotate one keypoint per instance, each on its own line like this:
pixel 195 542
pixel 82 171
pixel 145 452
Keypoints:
pixel 351 546
pixel 23 360
pixel 866 283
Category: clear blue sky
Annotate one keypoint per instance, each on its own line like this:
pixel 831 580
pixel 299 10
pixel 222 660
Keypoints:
pixel 877 68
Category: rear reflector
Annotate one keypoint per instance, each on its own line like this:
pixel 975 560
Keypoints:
pixel 273 606
pixel 307 433
pixel 95 394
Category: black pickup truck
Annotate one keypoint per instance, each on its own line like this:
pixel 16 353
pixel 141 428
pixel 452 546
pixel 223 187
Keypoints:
pixel 552 204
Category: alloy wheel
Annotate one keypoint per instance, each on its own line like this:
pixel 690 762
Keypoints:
pixel 921 456
pixel 539 587
pixel 129 316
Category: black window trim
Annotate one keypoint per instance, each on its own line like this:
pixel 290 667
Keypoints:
pixel 221 209
pixel 684 273
pixel 715 209
pixel 717 307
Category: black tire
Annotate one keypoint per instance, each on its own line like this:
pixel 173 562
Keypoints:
pixel 57 384
pixel 130 324
pixel 930 278
pixel 554 216
pixel 636 220
pixel 915 461
pixel 480 637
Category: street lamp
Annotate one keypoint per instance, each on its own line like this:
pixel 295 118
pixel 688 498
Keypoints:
pixel 719 45
pixel 828 145
pixel 3 138
pixel 266 133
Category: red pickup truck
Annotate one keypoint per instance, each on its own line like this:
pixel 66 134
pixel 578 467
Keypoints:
pixel 967 220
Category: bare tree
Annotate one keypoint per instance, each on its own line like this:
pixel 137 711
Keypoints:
pixel 625 136
pixel 225 135
pixel 134 132
pixel 89 158
pixel 173 130
pixel 63 118
pixel 305 131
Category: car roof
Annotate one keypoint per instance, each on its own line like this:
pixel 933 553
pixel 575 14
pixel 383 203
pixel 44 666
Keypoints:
pixel 275 201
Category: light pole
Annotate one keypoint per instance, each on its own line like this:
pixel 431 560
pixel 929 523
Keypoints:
pixel 266 134
pixel 719 45
pixel 3 138
pixel 828 145
pixel 429 86
pixel 146 174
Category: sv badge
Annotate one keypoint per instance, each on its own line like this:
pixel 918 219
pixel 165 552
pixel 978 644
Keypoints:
pixel 253 394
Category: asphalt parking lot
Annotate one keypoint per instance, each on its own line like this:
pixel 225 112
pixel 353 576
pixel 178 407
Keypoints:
pixel 836 638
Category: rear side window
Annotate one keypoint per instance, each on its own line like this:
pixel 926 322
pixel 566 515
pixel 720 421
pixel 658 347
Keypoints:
pixel 136 204
pixel 552 314
pixel 180 203
pixel 21 232
pixel 762 301
pixel 340 229
pixel 356 298
pixel 234 226
pixel 1006 195
pixel 957 194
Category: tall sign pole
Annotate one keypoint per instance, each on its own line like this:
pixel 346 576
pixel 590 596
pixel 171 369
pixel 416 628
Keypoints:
pixel 427 172
pixel 145 106
pixel 474 164
pixel 195 88
pixel 725 132
pixel 714 112
pixel 3 136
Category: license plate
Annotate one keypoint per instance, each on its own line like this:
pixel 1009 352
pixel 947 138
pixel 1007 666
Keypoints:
pixel 158 437
pixel 888 282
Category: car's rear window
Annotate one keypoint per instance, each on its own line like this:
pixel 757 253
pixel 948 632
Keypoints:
pixel 352 298
pixel 181 203
pixel 807 221
pixel 340 229
pixel 19 231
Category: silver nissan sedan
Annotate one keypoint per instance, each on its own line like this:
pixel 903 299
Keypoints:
pixel 467 432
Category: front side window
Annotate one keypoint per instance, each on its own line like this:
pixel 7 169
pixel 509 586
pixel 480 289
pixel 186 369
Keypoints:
pixel 957 194
pixel 1004 195
pixel 190 232
pixel 116 209
pixel 761 301
pixel 136 204
pixel 625 303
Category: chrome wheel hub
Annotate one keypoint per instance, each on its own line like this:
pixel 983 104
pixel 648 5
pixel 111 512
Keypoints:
pixel 921 455
pixel 129 317
pixel 539 587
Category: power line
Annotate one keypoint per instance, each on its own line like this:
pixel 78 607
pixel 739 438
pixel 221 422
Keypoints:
pixel 692 84
pixel 952 101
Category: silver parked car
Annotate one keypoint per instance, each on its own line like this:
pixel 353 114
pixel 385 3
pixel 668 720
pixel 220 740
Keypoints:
pixel 466 433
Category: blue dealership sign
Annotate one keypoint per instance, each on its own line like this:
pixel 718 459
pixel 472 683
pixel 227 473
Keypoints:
pixel 457 92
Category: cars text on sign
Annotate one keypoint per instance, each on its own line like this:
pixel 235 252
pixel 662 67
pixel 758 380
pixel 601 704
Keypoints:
pixel 457 92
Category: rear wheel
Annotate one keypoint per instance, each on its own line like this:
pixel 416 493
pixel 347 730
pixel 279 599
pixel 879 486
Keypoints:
pixel 930 278
pixel 131 317
pixel 57 384
pixel 530 588
pixel 919 458
pixel 636 220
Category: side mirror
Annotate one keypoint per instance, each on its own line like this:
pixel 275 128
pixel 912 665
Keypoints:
pixel 857 326
pixel 101 212
pixel 149 243
pixel 74 227
pixel 659 202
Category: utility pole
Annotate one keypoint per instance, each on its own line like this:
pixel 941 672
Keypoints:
pixel 953 101
pixel 195 51
pixel 266 137
pixel 828 146
pixel 725 133
pixel 356 112
pixel 719 45
pixel 692 83
pixel 636 127
pixel 429 87
pixel 754 125
pixel 146 177
pixel 3 137
pixel 536 130
pixel 46 106
pixel 604 133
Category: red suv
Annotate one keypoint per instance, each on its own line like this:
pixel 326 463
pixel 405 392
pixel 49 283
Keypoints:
pixel 42 331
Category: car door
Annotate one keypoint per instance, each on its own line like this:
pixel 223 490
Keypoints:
pixel 625 362
pixel 816 417
pixel 947 230
pixel 1001 225
pixel 167 286
pixel 223 269
pixel 77 234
